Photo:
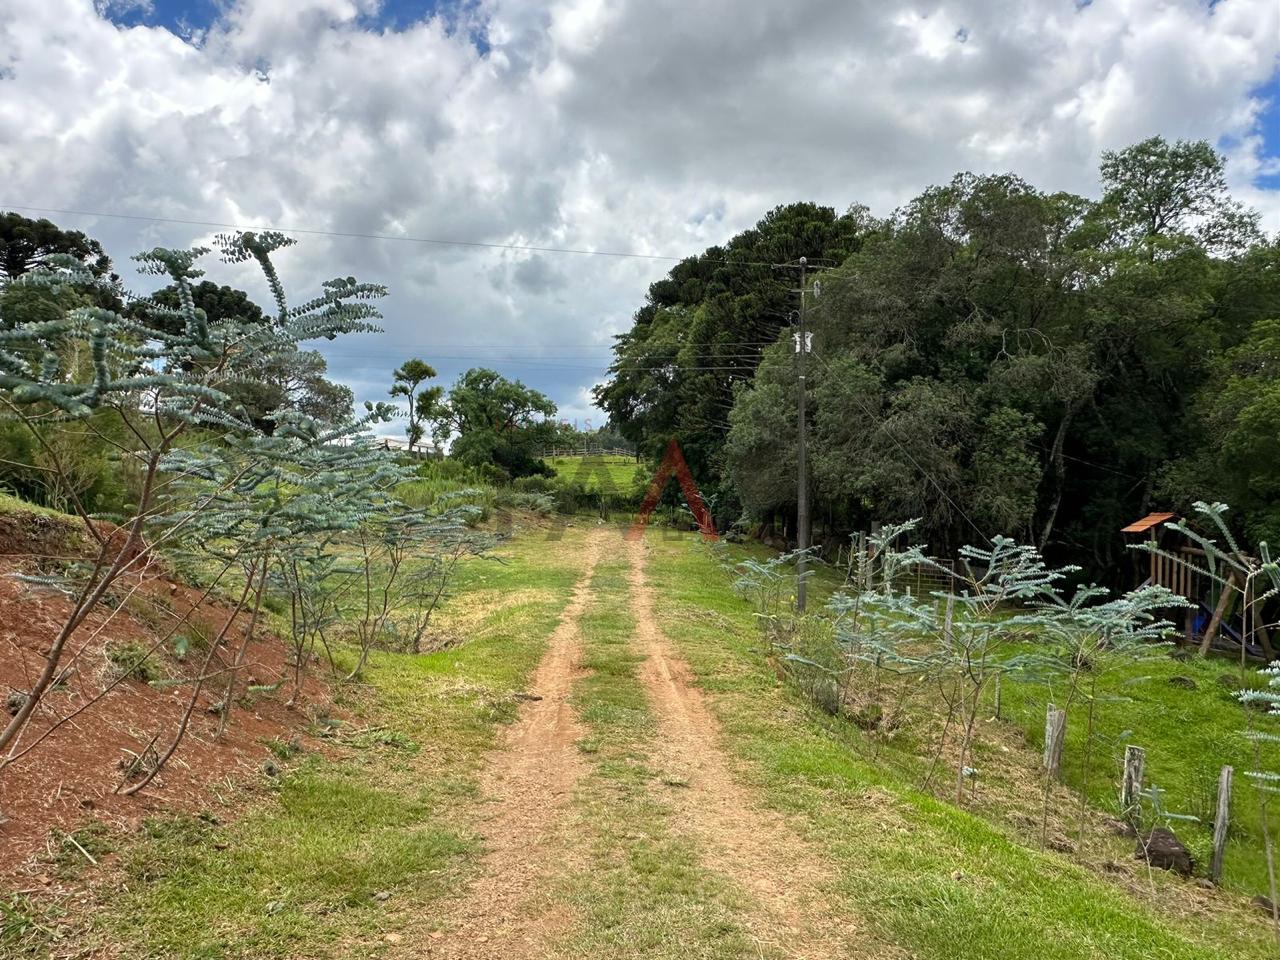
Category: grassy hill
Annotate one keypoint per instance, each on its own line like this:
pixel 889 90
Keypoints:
pixel 611 474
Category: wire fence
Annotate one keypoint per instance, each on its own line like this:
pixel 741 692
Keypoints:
pixel 921 580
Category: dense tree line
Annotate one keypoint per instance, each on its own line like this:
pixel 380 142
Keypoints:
pixel 990 358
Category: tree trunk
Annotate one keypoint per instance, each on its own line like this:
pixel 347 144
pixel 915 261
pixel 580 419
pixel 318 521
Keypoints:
pixel 1058 463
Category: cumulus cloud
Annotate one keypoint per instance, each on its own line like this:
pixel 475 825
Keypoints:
pixel 653 126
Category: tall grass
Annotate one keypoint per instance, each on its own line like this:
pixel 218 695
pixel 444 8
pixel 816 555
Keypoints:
pixel 435 478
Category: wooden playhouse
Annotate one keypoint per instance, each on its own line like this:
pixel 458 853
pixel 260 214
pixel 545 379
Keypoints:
pixel 1219 618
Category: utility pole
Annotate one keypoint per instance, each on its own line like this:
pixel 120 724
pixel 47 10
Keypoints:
pixel 804 345
pixel 802 448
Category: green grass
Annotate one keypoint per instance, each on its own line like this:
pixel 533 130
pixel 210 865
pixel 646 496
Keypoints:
pixel 299 874
pixel 30 928
pixel 438 478
pixel 596 474
pixel 393 810
pixel 937 880
pixel 647 892
pixel 12 504
pixel 1188 736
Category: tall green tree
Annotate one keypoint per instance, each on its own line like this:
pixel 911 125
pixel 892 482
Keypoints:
pixel 927 342
pixel 1236 454
pixel 90 472
pixel 704 327
pixel 998 360
pixel 407 379
pixel 293 380
pixel 1158 191
pixel 287 379
pixel 496 422
pixel 218 302
pixel 26 244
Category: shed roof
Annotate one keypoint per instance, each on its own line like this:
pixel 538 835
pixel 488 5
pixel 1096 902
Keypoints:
pixel 1147 522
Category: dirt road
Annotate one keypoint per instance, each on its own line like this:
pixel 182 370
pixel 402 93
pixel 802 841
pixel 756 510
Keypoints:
pixel 506 912
pixel 511 909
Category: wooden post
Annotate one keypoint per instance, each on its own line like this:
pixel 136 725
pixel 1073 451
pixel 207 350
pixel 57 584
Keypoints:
pixel 1255 629
pixel 1264 638
pixel 1135 762
pixel 948 620
pixel 1219 611
pixel 999 695
pixel 875 532
pixel 1055 726
pixel 1221 821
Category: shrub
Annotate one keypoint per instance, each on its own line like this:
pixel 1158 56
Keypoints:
pixel 439 478
pixel 535 484
pixel 540 503
pixel 132 660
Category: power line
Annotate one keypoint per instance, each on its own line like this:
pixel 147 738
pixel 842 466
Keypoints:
pixel 639 361
pixel 552 365
pixel 559 346
pixel 437 241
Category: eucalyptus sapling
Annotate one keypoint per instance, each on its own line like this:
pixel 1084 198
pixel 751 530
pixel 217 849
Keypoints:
pixel 160 374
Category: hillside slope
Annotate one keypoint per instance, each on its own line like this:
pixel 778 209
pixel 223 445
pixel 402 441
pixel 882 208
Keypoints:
pixel 122 693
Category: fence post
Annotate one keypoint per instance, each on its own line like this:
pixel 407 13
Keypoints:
pixel 1221 821
pixel 1135 762
pixel 1055 725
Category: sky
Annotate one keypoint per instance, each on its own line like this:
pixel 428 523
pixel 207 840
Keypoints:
pixel 653 127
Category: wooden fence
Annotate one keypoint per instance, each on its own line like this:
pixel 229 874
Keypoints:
pixel 587 451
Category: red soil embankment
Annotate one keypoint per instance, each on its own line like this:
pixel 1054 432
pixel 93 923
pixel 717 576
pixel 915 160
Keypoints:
pixel 70 778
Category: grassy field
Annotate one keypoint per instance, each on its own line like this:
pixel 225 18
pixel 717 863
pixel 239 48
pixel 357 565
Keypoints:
pixel 351 852
pixel 597 473
pixel 1184 713
pixel 1182 710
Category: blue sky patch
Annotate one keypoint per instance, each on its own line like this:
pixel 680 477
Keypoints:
pixel 180 17
pixel 185 17
pixel 1269 129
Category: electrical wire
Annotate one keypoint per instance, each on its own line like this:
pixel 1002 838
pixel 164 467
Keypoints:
pixel 437 241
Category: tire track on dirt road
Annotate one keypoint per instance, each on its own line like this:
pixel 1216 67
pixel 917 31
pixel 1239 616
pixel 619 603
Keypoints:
pixel 505 911
pixel 784 876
